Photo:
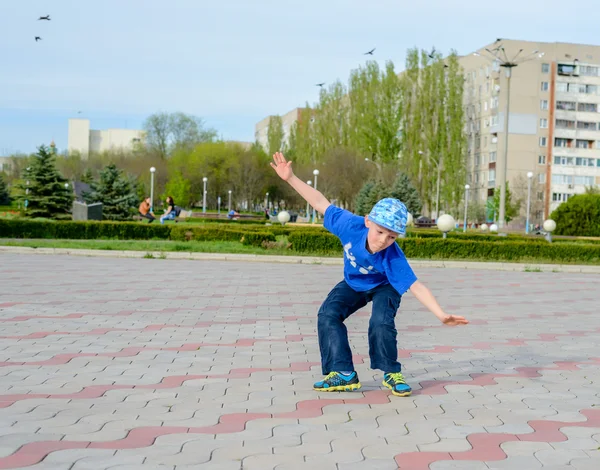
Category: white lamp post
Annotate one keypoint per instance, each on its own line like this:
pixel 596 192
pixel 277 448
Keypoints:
pixel 229 205
pixel 152 171
pixel 309 182
pixel 204 180
pixel 529 176
pixel 445 223
pixel 316 173
pixel 549 227
pixel 467 187
pixel 27 189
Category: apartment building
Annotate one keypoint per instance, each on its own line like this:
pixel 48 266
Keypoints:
pixel 554 120
pixel 84 140
pixel 261 129
pixel 553 125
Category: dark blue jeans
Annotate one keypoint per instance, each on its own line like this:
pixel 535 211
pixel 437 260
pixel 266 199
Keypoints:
pixel 342 302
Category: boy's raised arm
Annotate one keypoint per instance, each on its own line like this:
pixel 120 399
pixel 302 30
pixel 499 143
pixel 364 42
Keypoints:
pixel 310 195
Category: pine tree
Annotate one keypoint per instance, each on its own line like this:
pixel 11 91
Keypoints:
pixel 367 197
pixel 116 193
pixel 4 195
pixel 88 176
pixel 44 189
pixel 403 190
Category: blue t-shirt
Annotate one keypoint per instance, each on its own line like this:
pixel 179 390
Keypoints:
pixel 364 271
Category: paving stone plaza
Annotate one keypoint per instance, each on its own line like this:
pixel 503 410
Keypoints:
pixel 109 363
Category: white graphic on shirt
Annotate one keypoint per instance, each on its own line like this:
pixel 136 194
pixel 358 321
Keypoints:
pixel 352 259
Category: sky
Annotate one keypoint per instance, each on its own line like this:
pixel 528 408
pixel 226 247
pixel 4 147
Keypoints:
pixel 230 62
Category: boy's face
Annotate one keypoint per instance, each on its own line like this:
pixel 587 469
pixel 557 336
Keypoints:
pixel 378 238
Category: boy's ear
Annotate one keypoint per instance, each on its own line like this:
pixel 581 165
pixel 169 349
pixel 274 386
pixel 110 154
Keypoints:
pixel 367 221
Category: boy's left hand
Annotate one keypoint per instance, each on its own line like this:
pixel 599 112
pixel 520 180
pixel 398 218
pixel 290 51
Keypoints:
pixel 453 320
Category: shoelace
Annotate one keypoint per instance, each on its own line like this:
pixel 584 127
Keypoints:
pixel 397 377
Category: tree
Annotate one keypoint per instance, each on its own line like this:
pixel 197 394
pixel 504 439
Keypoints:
pixel 367 197
pixel 116 193
pixel 43 187
pixel 275 135
pixel 180 189
pixel 578 216
pixel 520 190
pixel 511 207
pixel 167 132
pixel 4 194
pixel 403 190
pixel 88 176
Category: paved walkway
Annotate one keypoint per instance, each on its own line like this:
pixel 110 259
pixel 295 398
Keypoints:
pixel 178 364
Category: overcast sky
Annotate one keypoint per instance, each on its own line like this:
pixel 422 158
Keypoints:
pixel 231 62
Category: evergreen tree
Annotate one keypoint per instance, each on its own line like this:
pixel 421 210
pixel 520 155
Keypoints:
pixel 88 176
pixel 44 189
pixel 403 190
pixel 116 193
pixel 367 197
pixel 4 195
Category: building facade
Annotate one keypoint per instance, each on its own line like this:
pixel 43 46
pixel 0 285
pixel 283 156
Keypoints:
pixel 554 120
pixel 84 140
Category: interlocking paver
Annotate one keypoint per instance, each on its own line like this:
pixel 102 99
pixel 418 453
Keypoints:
pixel 218 373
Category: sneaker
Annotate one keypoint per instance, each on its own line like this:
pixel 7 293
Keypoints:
pixel 336 382
pixel 395 382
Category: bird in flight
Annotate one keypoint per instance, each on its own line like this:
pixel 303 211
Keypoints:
pixel 37 38
pixel 432 55
pixel 320 84
pixel 47 18
pixel 370 52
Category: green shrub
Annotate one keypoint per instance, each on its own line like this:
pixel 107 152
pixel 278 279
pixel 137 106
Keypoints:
pixel 208 233
pixel 91 230
pixel 579 216
pixel 453 248
pixel 257 238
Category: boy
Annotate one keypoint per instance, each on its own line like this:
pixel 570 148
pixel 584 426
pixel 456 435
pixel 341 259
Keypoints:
pixel 375 270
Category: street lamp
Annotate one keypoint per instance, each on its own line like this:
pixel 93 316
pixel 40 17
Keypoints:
pixel 309 182
pixel 229 205
pixel 502 163
pixel 204 180
pixel 152 171
pixel 27 189
pixel 467 187
pixel 438 167
pixel 316 173
pixel 529 176
pixel 267 202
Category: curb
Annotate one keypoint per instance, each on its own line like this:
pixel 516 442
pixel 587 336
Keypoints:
pixel 312 260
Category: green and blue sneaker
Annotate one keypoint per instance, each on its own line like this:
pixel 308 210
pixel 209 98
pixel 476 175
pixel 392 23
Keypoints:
pixel 396 383
pixel 338 382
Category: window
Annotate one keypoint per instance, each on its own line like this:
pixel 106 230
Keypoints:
pixel 564 160
pixel 493 157
pixel 544 86
pixel 580 161
pixel 561 197
pixel 562 179
pixel 562 87
pixel 566 69
pixel 565 124
pixel 477 177
pixel 487 87
pixel 545 68
pixel 590 126
pixel 582 144
pixel 561 142
pixel 541 159
pixel 543 141
pixel 588 71
pixel 485 105
pixel 540 196
pixel 566 105
pixel 494 121
pixel 543 123
pixel 584 180
pixel 492 176
pixel 494 102
pixel 544 105
pixel 470 178
pixel 477 160
pixel 541 178
pixel 587 107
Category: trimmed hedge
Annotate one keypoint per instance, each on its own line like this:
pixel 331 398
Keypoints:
pixel 452 248
pixel 89 230
pixel 254 238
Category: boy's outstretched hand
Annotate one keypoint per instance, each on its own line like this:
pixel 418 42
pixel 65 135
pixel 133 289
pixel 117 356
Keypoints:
pixel 282 167
pixel 453 320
